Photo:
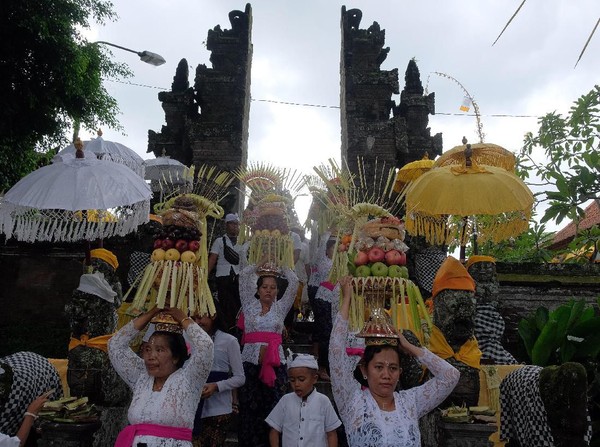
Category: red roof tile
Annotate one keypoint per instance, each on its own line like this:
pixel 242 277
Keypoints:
pixel 592 217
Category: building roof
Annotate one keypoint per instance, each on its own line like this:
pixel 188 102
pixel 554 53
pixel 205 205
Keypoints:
pixel 566 234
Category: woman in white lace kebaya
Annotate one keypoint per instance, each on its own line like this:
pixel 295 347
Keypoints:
pixel 262 354
pixel 378 416
pixel 166 391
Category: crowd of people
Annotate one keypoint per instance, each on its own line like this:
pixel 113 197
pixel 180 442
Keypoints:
pixel 189 378
pixel 187 397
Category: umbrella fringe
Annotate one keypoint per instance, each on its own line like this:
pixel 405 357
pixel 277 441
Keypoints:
pixel 134 165
pixel 29 225
pixel 442 231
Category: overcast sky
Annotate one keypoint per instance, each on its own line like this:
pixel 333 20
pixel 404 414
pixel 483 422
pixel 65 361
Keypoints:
pixel 296 59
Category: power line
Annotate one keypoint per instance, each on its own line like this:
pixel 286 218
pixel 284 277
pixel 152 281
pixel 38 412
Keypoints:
pixel 322 106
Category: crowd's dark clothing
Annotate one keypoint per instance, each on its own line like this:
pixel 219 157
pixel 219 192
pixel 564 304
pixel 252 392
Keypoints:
pixel 322 331
pixel 256 402
pixel 214 431
pixel 228 300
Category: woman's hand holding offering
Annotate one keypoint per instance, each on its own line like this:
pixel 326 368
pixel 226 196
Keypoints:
pixel 346 286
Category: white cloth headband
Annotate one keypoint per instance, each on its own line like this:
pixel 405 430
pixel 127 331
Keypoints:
pixel 95 284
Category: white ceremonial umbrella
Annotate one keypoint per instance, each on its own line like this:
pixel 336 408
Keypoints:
pixel 166 175
pixel 77 199
pixel 106 150
pixel 161 168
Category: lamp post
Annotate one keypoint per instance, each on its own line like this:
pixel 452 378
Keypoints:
pixel 146 56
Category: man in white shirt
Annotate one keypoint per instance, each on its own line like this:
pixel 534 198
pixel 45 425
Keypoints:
pixel 222 257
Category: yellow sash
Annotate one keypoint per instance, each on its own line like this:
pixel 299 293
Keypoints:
pixel 468 353
pixel 100 342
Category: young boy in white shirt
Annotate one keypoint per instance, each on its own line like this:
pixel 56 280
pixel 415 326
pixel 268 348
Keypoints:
pixel 304 417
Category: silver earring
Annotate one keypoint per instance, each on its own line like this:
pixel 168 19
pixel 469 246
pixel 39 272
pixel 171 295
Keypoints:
pixel 365 377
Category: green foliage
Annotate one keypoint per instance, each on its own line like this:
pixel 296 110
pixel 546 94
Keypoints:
pixel 531 246
pixel 50 78
pixel 569 333
pixel 570 170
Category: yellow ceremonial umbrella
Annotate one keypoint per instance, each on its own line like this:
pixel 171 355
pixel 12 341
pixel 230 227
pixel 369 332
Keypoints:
pixel 412 171
pixel 482 154
pixel 439 203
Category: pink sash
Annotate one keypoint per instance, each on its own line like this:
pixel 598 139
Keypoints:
pixel 127 435
pixel 355 351
pixel 271 356
pixel 329 286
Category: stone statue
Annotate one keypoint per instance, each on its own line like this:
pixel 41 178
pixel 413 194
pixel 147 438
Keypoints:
pixel 545 406
pixel 92 313
pixel 452 336
pixel 489 324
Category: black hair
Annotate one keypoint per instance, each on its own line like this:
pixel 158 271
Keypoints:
pixel 176 345
pixel 412 373
pixel 330 244
pixel 260 281
pixel 370 352
pixel 218 324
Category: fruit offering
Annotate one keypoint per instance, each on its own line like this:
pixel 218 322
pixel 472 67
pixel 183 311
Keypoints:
pixel 177 275
pixel 174 240
pixel 380 249
pixel 377 262
pixel 270 233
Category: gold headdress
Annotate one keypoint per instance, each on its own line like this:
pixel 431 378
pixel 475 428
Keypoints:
pixel 165 322
pixel 268 269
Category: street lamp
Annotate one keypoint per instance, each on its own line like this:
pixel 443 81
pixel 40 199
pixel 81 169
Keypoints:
pixel 146 56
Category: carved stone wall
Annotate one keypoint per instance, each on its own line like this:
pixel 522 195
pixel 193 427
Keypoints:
pixel 208 123
pixel 373 126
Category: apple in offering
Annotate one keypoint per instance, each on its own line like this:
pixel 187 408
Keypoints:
pixel 379 269
pixel 376 254
pixel 194 246
pixel 361 258
pixel 179 238
pixel 395 257
pixel 380 249
pixel 363 271
pixel 167 244
pixel 397 271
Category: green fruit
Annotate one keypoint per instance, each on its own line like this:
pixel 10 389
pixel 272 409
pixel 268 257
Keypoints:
pixel 363 271
pixel 395 271
pixel 379 269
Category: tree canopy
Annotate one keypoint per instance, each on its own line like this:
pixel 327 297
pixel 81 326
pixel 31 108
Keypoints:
pixel 569 167
pixel 562 161
pixel 50 78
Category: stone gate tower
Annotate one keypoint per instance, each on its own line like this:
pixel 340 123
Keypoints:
pixel 373 126
pixel 208 123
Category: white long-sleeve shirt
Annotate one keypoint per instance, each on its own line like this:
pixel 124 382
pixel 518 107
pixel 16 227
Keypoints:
pixel 273 320
pixel 9 441
pixel 175 405
pixel 365 423
pixel 227 359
